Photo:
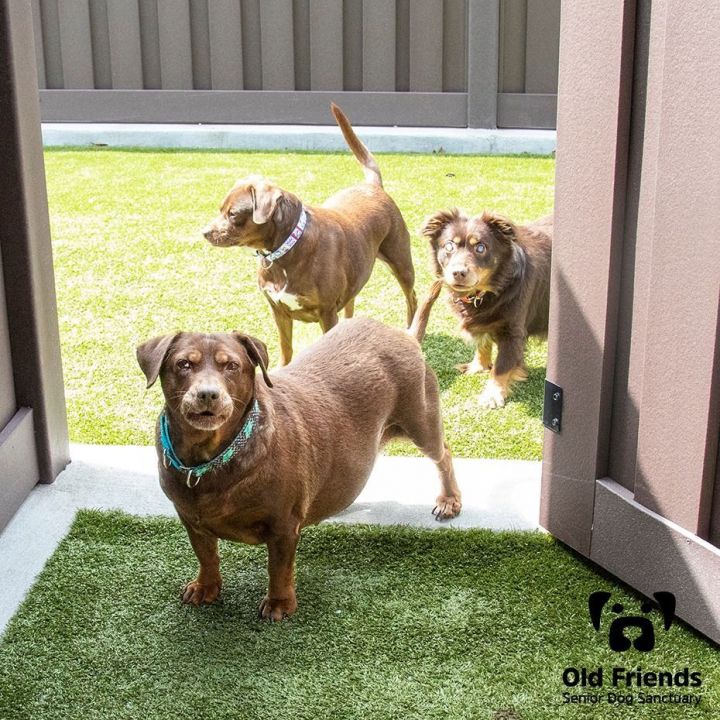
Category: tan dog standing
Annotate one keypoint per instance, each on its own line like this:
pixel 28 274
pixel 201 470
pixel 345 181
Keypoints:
pixel 317 259
pixel 256 460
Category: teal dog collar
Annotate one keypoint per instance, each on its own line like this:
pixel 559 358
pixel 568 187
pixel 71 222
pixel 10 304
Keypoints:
pixel 170 458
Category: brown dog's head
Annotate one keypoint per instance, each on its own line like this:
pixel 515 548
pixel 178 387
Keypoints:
pixel 206 379
pixel 251 204
pixel 467 252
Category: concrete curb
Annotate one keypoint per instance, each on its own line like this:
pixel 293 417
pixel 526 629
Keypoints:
pixel 462 141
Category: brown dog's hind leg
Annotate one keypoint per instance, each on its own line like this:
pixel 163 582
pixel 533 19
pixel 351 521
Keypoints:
pixel 449 502
pixel 280 601
pixel 206 588
pixel 423 425
pixel 395 253
pixel 349 309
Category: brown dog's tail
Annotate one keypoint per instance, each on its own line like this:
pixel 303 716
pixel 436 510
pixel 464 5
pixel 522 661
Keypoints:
pixel 364 156
pixel 420 321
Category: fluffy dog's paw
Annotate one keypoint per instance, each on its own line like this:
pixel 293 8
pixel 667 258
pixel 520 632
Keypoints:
pixel 492 396
pixel 275 609
pixel 473 368
pixel 197 593
pixel 447 506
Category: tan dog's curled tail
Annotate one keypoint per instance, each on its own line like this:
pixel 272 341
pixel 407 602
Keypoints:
pixel 420 321
pixel 363 155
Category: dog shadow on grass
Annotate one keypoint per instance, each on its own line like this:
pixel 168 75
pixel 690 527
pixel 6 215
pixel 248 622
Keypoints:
pixel 444 352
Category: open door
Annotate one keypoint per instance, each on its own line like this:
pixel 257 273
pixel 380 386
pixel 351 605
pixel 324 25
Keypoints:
pixel 33 425
pixel 632 478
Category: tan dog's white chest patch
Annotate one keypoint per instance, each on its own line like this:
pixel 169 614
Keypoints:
pixel 276 289
pixel 285 298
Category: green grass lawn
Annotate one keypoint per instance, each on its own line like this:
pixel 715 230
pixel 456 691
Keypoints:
pixel 131 263
pixel 392 623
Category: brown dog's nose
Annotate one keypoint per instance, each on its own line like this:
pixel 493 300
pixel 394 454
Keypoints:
pixel 207 232
pixel 207 393
pixel 460 274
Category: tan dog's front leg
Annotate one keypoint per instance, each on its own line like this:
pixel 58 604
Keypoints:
pixel 206 588
pixel 284 324
pixel 280 601
pixel 328 319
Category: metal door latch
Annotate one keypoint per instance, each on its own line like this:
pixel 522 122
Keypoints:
pixel 552 407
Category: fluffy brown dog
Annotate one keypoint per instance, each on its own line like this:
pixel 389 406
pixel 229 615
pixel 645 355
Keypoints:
pixel 256 460
pixel 498 274
pixel 334 248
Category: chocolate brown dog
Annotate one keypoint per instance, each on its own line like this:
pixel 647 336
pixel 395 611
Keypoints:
pixel 498 274
pixel 256 460
pixel 317 259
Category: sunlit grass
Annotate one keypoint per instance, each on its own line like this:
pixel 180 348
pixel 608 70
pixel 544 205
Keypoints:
pixel 131 263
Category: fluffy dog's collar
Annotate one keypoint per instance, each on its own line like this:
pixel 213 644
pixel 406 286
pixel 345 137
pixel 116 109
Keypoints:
pixel 475 299
pixel 171 459
pixel 269 258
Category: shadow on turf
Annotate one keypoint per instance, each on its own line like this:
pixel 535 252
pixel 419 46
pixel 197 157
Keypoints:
pixel 444 352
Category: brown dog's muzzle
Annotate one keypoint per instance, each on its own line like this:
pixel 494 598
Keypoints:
pixel 206 406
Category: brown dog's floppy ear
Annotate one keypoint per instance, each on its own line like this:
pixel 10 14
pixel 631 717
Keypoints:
pixel 500 226
pixel 257 350
pixel 151 354
pixel 264 201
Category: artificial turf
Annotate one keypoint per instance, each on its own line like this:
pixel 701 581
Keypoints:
pixel 131 263
pixel 392 623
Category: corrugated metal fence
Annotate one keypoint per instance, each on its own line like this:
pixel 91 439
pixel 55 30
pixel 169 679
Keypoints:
pixel 404 62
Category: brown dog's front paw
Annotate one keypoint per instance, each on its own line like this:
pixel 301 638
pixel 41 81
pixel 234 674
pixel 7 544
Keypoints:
pixel 447 507
pixel 197 593
pixel 275 609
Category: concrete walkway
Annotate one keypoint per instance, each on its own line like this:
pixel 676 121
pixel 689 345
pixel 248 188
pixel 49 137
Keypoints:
pixel 326 138
pixel 497 494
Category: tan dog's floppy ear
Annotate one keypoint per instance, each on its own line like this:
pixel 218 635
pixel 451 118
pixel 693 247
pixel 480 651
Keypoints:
pixel 264 201
pixel 151 354
pixel 257 350
pixel 500 226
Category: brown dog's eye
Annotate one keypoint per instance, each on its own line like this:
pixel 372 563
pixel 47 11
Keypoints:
pixel 449 247
pixel 232 366
pixel 480 248
pixel 184 365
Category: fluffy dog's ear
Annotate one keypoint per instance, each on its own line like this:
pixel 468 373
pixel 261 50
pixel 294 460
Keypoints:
pixel 500 226
pixel 264 201
pixel 433 227
pixel 151 355
pixel 436 223
pixel 257 350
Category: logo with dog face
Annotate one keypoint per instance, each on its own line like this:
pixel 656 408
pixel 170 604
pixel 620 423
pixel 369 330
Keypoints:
pixel 617 638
